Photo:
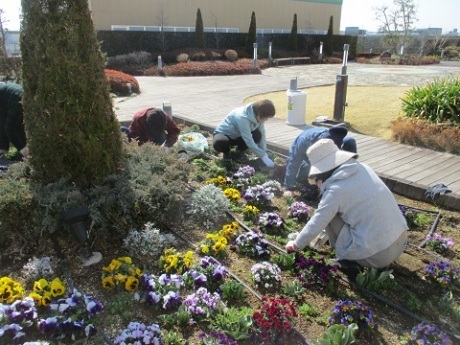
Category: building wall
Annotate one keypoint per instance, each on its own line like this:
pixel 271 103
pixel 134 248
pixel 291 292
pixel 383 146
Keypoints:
pixel 236 14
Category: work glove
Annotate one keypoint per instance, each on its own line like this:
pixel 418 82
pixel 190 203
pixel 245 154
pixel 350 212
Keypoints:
pixel 291 247
pixel 268 162
pixel 25 152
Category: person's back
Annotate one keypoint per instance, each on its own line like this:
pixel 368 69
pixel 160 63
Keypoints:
pixel 365 203
pixel 11 117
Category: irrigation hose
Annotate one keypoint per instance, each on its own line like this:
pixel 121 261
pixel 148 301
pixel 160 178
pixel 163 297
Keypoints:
pixel 432 230
pixel 364 290
pixel 395 306
pixel 234 276
pixel 361 288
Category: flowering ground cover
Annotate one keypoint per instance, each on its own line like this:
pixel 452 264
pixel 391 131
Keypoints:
pixel 221 277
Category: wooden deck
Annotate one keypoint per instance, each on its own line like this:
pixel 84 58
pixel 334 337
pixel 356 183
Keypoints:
pixel 405 169
pixel 205 101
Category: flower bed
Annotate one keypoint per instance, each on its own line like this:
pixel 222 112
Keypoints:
pixel 247 292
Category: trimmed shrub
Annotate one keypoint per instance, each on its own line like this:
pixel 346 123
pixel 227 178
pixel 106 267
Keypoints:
pixel 452 52
pixel 72 129
pixel 182 58
pixel 150 187
pixel 231 55
pixel 121 83
pixel 132 59
pixel 192 68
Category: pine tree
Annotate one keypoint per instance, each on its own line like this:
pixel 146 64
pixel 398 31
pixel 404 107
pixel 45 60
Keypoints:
pixel 329 49
pixel 251 33
pixel 199 30
pixel 294 34
pixel 71 127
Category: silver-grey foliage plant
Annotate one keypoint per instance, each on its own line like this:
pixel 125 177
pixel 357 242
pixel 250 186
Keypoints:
pixel 147 242
pixel 208 205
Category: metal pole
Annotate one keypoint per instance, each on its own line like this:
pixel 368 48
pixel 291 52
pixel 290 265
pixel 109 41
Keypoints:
pixel 320 57
pixel 255 56
pixel 269 51
pixel 345 58
pixel 341 83
pixel 160 63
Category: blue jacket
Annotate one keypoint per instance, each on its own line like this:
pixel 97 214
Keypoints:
pixel 240 122
pixel 298 153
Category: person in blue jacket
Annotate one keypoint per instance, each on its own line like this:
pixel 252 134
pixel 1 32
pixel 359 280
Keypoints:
pixel 298 165
pixel 12 119
pixel 244 128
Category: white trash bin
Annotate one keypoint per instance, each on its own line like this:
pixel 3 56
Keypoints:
pixel 297 103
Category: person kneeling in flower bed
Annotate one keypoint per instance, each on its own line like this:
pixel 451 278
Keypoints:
pixel 360 215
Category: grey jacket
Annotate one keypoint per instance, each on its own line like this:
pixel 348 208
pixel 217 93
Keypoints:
pixel 373 220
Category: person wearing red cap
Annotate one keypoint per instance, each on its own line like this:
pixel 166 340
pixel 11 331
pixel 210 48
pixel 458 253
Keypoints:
pixel 155 126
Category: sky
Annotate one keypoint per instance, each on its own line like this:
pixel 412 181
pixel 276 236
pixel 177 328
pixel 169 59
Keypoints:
pixel 431 14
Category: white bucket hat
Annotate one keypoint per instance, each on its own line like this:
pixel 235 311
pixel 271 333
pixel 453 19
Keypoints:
pixel 324 156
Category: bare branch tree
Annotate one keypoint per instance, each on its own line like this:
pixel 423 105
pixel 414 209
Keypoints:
pixel 396 22
pixel 9 68
pixel 162 21
pixel 215 26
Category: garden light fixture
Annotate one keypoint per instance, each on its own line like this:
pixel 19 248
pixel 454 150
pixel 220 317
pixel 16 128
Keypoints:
pixel 76 218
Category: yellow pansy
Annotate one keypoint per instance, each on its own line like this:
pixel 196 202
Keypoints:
pixel 40 285
pixel 46 299
pixel 218 247
pixel 57 287
pixel 205 249
pixel 114 265
pixel 131 284
pixel 121 278
pixel 126 259
pixel 108 282
pixel 6 294
pixel 37 298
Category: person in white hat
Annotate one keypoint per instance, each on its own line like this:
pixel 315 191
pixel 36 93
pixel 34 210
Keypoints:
pixel 359 213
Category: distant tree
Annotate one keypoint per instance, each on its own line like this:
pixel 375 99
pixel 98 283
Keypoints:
pixel 162 21
pixel 216 32
pixel 8 68
pixel 293 37
pixel 329 46
pixel 252 33
pixel 199 30
pixel 72 130
pixel 396 23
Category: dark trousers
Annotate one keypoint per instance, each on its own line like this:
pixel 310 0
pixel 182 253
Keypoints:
pixel 223 143
pixel 12 129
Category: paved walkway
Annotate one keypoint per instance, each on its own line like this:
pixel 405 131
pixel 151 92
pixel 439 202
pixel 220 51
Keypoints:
pixel 205 101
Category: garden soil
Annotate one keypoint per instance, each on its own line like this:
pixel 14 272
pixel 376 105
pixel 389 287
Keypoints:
pixel 411 298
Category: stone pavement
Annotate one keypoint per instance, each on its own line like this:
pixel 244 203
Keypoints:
pixel 206 100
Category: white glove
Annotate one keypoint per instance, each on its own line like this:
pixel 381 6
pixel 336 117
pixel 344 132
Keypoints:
pixel 268 162
pixel 291 247
pixel 25 151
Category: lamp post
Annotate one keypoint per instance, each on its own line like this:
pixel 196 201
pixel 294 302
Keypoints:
pixel 320 56
pixel 270 52
pixel 341 84
pixel 77 218
pixel 255 56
